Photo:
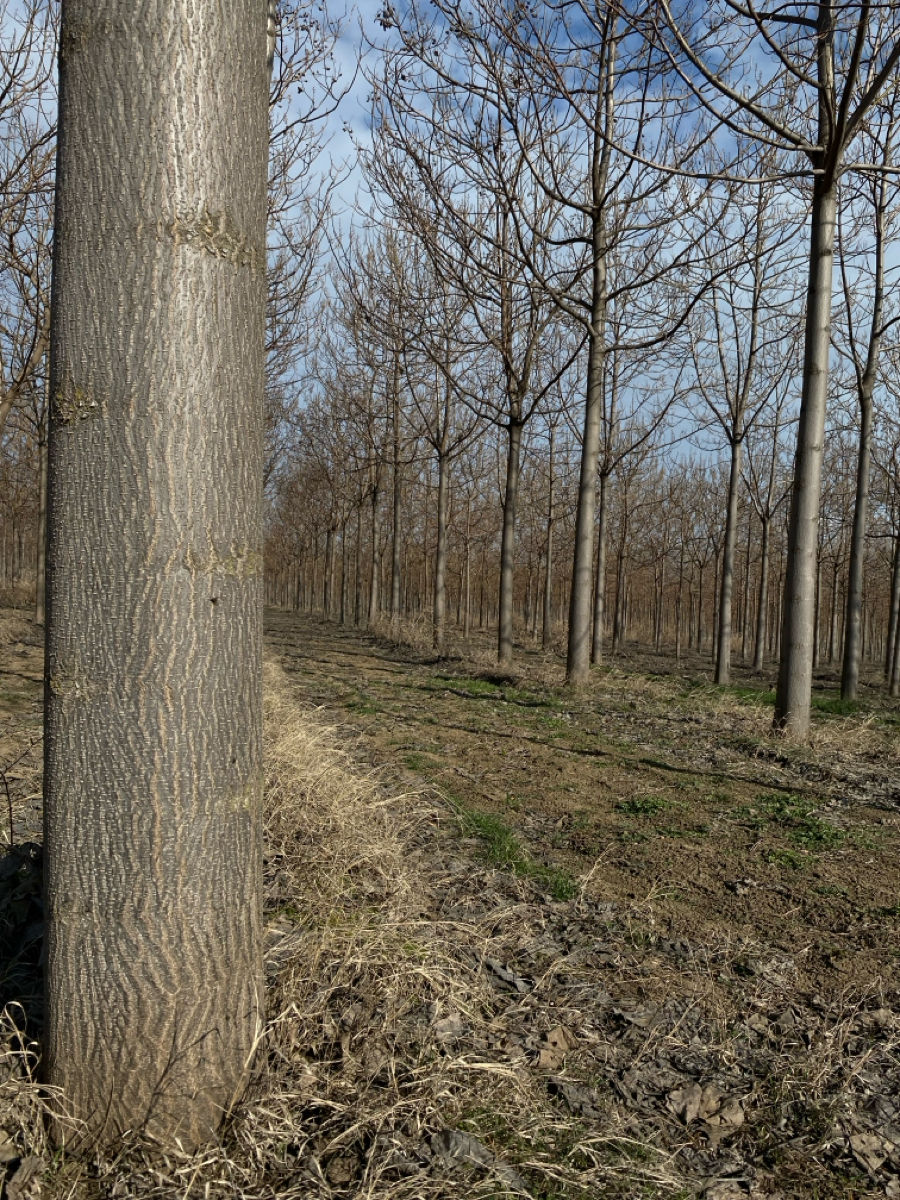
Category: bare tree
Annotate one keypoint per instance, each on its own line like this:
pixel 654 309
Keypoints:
pixel 878 229
pixel 455 177
pixel 801 79
pixel 741 343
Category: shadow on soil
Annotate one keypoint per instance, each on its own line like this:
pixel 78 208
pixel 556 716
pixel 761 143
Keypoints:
pixel 22 931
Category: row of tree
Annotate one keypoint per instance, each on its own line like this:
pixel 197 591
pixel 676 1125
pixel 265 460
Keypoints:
pixel 624 218
pixel 378 520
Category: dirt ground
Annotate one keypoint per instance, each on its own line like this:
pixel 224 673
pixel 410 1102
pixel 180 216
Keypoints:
pixel 693 923
pixel 659 791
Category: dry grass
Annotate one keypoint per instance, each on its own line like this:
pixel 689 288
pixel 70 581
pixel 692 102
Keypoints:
pixel 383 1071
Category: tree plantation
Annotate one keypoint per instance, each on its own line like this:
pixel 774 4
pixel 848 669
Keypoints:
pixel 449 599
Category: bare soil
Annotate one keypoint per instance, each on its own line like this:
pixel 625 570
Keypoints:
pixel 656 790
pixel 685 927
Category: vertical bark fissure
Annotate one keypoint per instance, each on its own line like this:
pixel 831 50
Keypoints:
pixel 153 748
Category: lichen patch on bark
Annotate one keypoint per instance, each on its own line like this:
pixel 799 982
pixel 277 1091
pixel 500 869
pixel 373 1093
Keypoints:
pixel 72 403
pixel 215 233
pixel 240 562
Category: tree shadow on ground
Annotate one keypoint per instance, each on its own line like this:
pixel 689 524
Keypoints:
pixel 22 932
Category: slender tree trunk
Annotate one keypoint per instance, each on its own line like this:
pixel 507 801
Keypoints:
pixel 678 604
pixel 745 614
pixel 40 575
pixel 700 630
pixel 578 661
pixel 357 583
pixel 600 589
pixel 547 625
pixel 833 629
pixel 762 604
pixel 439 610
pixel 852 634
pixel 375 564
pixel 894 688
pixel 660 606
pixel 467 608
pixel 328 599
pixel 619 610
pixel 508 545
pixel 344 569
pixel 153 713
pixel 723 647
pixel 894 612
pixel 397 515
pixel 792 700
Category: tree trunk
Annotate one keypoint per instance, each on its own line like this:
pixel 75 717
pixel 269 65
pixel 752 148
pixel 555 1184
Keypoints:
pixel 439 610
pixel 832 632
pixel 153 754
pixel 678 603
pixel 508 545
pixel 547 623
pixel 745 605
pixel 375 564
pixel 723 645
pixel 700 630
pixel 658 614
pixel 357 582
pixel 467 576
pixel 762 606
pixel 578 660
pixel 852 634
pixel 894 612
pixel 600 589
pixel 792 699
pixel 396 513
pixel 344 568
pixel 619 610
pixel 40 575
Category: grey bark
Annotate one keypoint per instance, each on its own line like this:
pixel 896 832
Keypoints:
pixel 762 605
pixel 792 697
pixel 153 763
pixel 894 610
pixel 600 587
pixel 508 544
pixel 745 604
pixel 374 604
pixel 578 658
pixel 852 628
pixel 723 644
pixel 547 623
pixel 439 608
pixel 467 574
pixel 578 662
pixel 40 582
pixel 397 503
pixel 866 394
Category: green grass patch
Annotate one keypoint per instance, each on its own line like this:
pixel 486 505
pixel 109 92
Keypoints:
pixel 782 857
pixel 835 706
pixel 680 831
pixel 643 806
pixel 415 761
pixel 795 818
pixel 503 849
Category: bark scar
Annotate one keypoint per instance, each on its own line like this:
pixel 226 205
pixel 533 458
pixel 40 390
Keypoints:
pixel 213 232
